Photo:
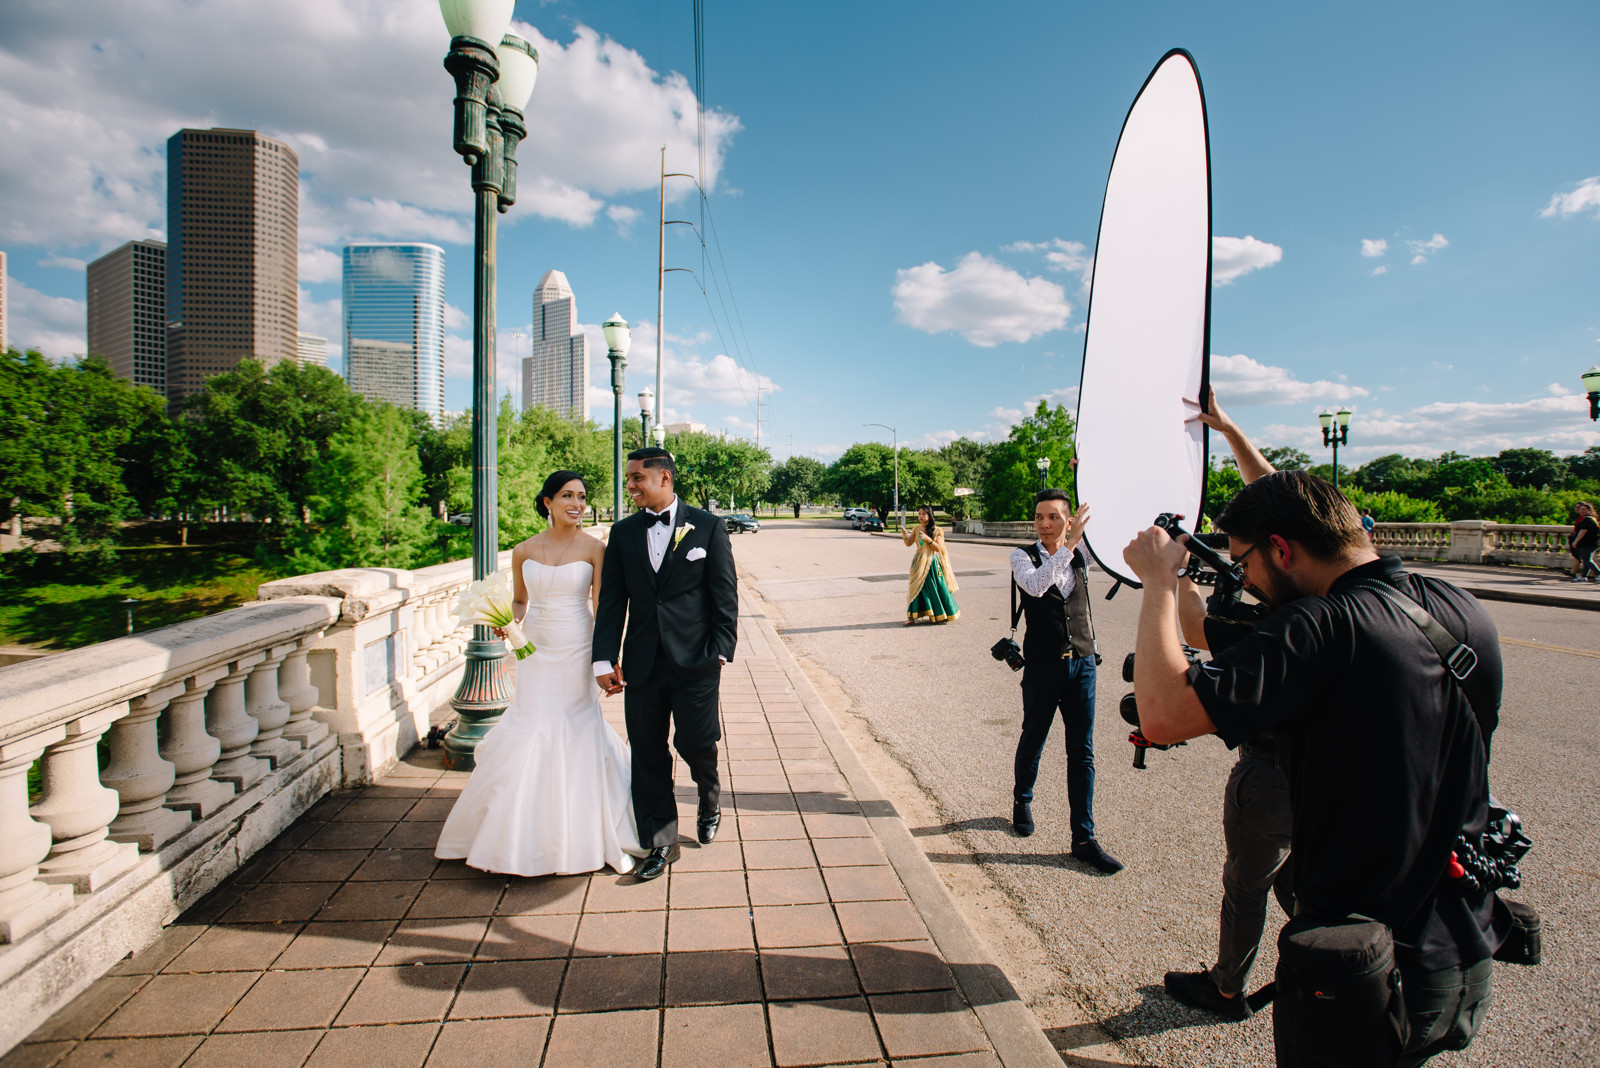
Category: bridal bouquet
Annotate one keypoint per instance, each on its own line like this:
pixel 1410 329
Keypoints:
pixel 487 603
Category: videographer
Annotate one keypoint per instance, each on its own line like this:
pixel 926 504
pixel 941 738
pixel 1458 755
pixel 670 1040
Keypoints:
pixel 1385 751
pixel 1060 653
pixel 1256 818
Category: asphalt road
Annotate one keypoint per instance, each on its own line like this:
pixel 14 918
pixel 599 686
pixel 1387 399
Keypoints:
pixel 939 707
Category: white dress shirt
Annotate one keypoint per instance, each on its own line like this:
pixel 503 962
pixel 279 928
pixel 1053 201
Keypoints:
pixel 1053 570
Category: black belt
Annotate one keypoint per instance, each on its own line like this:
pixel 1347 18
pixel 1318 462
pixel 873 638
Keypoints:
pixel 1260 751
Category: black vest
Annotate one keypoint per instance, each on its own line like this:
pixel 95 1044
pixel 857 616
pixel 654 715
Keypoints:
pixel 1055 621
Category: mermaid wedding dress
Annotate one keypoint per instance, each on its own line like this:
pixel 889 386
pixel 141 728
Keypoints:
pixel 551 791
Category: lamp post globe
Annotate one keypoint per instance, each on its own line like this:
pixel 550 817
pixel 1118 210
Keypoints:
pixel 647 398
pixel 618 337
pixel 1335 432
pixel 1591 386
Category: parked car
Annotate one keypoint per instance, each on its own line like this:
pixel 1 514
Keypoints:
pixel 460 519
pixel 870 524
pixel 855 515
pixel 741 522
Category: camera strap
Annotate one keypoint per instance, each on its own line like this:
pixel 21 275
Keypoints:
pixel 1458 658
pixel 1016 609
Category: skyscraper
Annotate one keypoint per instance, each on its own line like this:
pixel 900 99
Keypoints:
pixel 128 311
pixel 556 375
pixel 394 324
pixel 233 229
pixel 313 349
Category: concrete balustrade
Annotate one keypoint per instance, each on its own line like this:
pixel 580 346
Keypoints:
pixel 192 751
pixel 25 902
pixel 79 809
pixel 141 776
pixel 266 706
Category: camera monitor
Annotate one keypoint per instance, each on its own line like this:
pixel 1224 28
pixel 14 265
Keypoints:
pixel 1141 451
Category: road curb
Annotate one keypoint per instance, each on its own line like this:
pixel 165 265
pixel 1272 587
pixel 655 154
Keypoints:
pixel 1012 1029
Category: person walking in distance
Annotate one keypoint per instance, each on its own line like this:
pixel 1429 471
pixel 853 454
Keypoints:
pixel 669 573
pixel 1584 541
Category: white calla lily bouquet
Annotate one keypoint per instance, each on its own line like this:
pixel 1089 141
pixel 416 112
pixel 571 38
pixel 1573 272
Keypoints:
pixel 488 603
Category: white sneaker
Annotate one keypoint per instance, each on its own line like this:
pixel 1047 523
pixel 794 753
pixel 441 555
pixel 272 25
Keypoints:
pixel 1577 578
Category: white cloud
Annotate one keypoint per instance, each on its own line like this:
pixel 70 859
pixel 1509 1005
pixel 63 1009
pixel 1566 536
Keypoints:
pixel 1421 250
pixel 1235 256
pixel 1380 270
pixel 320 265
pixel 91 91
pixel 1372 248
pixel 984 301
pixel 1586 197
pixel 69 263
pixel 622 217
pixel 56 326
pixel 1240 380
pixel 1010 415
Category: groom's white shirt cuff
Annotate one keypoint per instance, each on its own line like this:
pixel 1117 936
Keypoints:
pixel 602 667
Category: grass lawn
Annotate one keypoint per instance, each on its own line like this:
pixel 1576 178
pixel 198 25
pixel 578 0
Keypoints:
pixel 68 600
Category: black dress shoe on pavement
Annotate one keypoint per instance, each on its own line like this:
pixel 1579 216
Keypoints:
pixel 1090 853
pixel 1022 819
pixel 655 862
pixel 1199 991
pixel 708 822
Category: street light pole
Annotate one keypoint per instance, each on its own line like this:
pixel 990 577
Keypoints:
pixel 1043 464
pixel 896 434
pixel 646 406
pixel 1591 386
pixel 1335 435
pixel 617 337
pixel 494 73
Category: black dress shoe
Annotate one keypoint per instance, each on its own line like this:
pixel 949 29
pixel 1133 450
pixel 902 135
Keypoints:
pixel 655 863
pixel 1090 853
pixel 1199 991
pixel 708 822
pixel 1022 819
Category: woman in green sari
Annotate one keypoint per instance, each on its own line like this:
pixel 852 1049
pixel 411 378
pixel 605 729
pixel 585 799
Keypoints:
pixel 932 581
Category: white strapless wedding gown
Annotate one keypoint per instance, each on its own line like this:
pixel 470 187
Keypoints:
pixel 551 794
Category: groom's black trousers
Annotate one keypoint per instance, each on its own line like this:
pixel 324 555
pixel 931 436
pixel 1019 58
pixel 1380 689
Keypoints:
pixel 688 698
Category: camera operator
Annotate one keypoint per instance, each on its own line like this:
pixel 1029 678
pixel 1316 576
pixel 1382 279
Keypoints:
pixel 1385 752
pixel 1059 648
pixel 1255 811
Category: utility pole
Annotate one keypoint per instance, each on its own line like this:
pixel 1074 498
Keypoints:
pixel 661 277
pixel 758 415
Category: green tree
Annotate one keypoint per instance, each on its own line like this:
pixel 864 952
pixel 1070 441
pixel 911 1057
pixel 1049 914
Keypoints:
pixel 969 467
pixel 1222 484
pixel 1585 465
pixel 863 474
pixel 1392 473
pixel 1532 468
pixel 925 479
pixel 1013 475
pixel 712 467
pixel 1389 506
pixel 1286 458
pixel 27 482
pixel 795 482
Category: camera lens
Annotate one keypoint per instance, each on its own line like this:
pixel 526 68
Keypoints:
pixel 1130 710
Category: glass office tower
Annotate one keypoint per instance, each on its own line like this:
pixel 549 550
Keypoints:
pixel 394 324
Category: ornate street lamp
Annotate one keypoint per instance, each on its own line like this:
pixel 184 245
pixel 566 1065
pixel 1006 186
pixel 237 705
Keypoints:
pixel 1591 386
pixel 1335 435
pixel 618 337
pixel 647 399
pixel 494 73
pixel 1043 464
pixel 896 434
pixel 659 432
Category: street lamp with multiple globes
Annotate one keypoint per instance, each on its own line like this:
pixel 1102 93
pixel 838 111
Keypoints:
pixel 1591 386
pixel 896 434
pixel 618 337
pixel 1335 435
pixel 494 73
pixel 1043 464
pixel 647 397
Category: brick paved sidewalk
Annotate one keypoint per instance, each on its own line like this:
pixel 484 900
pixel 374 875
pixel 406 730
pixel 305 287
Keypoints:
pixel 791 940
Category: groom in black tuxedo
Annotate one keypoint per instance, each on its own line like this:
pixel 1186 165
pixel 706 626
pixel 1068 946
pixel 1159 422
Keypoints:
pixel 669 570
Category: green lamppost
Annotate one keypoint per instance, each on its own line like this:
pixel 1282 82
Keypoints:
pixel 1335 435
pixel 647 404
pixel 1591 386
pixel 494 73
pixel 618 336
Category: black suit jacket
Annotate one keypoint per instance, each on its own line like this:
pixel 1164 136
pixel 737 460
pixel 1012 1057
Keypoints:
pixel 687 612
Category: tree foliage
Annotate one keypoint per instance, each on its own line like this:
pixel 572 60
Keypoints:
pixel 796 481
pixel 716 468
pixel 1013 475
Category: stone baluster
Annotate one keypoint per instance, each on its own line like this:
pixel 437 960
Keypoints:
pixel 79 809
pixel 25 903
pixel 294 686
pixel 141 776
pixel 270 711
pixel 193 752
pixel 422 621
pixel 229 723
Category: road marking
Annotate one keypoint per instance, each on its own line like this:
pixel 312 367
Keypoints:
pixel 1550 648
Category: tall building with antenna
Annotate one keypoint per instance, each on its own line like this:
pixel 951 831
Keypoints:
pixel 556 374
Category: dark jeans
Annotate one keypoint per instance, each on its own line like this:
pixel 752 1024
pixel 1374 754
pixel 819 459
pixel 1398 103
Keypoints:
pixel 1583 563
pixel 1256 826
pixel 1067 685
pixel 1445 1009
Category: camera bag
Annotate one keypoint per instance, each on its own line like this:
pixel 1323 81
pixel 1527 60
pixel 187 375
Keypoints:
pixel 1338 998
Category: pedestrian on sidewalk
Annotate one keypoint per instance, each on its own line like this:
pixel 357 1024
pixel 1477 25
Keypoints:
pixel 1060 652
pixel 1583 542
pixel 932 581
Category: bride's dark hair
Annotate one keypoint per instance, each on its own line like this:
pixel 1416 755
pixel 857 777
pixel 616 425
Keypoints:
pixel 552 486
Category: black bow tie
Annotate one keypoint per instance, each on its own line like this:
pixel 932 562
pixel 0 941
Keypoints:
pixel 664 518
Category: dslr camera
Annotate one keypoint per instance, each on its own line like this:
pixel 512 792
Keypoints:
pixel 1008 652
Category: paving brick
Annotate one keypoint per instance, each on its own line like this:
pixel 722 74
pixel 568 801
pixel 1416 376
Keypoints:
pixel 433 941
pixel 808 974
pixel 847 852
pixel 508 1043
pixel 605 984
pixel 864 884
pixel 550 893
pixel 408 994
pixel 455 869
pixel 787 886
pixel 784 853
pixel 256 868
pixel 836 825
pixel 136 1053
pixel 383 865
pixel 879 921
pixel 957 1060
pixel 783 926
pixel 710 889
pixel 158 954
pixel 695 930
pixel 235 948
pixel 822 1032
pixel 509 988
pixel 431 810
pixel 341 944
pixel 762 784
pixel 528 937
pixel 414 791
pixel 613 893
pixel 371 901
pixel 769 828
pixel 282 1001
pixel 255 1049
pixel 38 1054
pixel 809 799
pixel 269 902
pixel 721 855
pixel 317 866
pixel 920 1025
pixel 347 836
pixel 412 836
pixel 764 804
pixel 87 1011
pixel 604 1040
pixel 729 1036
pixel 721 977
pixel 458 897
pixel 178 1005
pixel 373 810
pixel 899 967
pixel 325 809
pixel 602 934
pixel 403 1046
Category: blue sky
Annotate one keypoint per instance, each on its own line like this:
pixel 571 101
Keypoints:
pixel 1406 197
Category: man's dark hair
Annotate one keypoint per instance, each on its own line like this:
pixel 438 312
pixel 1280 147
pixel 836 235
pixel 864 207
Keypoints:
pixel 1052 494
pixel 1296 506
pixel 654 457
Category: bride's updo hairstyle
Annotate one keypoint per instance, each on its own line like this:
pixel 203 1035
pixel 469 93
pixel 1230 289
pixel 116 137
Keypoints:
pixel 552 486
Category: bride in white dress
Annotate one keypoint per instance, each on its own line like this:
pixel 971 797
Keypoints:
pixel 551 791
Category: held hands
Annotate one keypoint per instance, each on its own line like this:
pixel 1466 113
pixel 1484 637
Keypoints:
pixel 1157 558
pixel 611 683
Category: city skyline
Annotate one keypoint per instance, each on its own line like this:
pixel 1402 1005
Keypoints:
pixel 127 302
pixel 394 323
pixel 1394 230
pixel 555 374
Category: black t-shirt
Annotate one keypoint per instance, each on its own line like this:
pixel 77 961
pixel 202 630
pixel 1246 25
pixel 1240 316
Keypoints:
pixel 1386 765
pixel 1585 532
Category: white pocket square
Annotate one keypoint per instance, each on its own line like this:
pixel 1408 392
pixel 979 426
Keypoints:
pixel 696 553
